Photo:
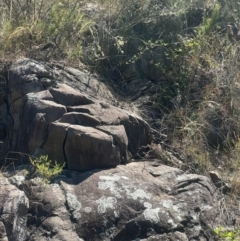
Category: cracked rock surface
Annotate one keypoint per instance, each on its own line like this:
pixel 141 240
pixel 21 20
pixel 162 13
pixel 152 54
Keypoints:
pixel 138 201
pixel 64 112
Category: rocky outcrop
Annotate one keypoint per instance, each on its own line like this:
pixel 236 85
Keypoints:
pixel 69 115
pixel 138 201
pixel 66 113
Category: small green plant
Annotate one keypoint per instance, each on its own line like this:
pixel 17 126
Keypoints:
pixel 210 22
pixel 227 235
pixel 45 168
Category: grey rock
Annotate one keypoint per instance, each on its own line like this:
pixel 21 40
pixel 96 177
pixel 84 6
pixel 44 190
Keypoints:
pixel 13 211
pixel 88 148
pixel 3 234
pixel 126 203
pixel 3 109
pixel 17 180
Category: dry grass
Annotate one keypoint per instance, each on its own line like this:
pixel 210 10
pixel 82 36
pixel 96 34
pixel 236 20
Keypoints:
pixel 42 29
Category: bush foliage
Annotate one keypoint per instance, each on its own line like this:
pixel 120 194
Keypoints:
pixel 227 235
pixel 45 168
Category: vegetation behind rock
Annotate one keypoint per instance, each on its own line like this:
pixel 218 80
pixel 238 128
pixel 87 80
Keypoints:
pixel 178 59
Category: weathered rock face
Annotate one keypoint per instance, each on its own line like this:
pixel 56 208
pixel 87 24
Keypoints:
pixel 139 201
pixel 68 115
pixel 14 206
pixel 64 112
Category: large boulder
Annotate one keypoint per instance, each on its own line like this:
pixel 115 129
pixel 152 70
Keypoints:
pixel 138 201
pixel 67 114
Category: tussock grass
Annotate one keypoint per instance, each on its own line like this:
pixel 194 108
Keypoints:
pixel 42 29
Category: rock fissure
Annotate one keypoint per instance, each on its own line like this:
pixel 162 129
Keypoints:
pixel 64 153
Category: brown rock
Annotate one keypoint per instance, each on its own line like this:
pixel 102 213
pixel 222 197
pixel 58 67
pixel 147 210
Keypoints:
pixel 54 145
pixel 82 119
pixel 61 120
pixel 88 148
pixel 119 138
pixel 38 114
pixel 137 130
pixel 66 95
pixel 106 114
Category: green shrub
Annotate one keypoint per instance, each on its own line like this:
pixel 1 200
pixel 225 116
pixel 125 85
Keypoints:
pixel 45 168
pixel 227 235
pixel 135 23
